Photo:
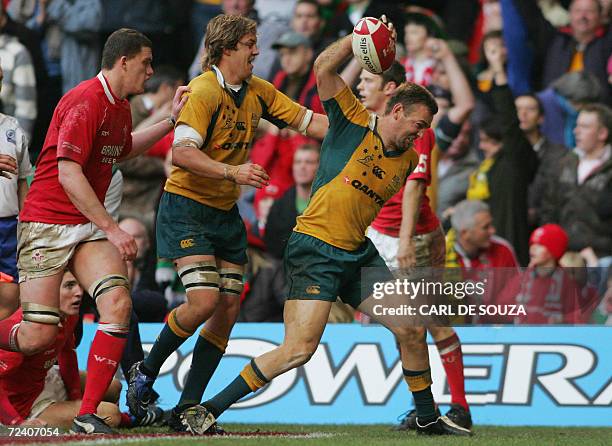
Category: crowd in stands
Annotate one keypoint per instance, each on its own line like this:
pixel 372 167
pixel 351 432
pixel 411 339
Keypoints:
pixel 524 89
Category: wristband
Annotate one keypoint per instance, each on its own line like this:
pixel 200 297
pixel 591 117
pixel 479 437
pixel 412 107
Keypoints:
pixel 171 120
pixel 230 172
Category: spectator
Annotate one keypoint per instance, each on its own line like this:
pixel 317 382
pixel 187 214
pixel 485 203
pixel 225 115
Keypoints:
pixel 80 22
pixel 548 293
pixel 421 24
pixel 492 46
pixel 562 102
pixel 286 209
pixel 13 190
pixel 474 252
pixel 201 13
pixel 584 45
pixel 308 20
pixel 509 164
pixel 531 115
pixel 578 194
pixel 455 166
pixel 19 83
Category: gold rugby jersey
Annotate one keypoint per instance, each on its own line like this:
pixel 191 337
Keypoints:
pixel 355 177
pixel 227 122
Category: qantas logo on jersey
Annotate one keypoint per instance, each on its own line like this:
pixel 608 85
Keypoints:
pixel 367 191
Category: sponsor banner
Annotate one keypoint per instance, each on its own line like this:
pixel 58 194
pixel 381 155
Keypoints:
pixel 528 375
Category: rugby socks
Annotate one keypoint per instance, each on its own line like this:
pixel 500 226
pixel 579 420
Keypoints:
pixel 8 335
pixel 207 354
pixel 452 360
pixel 133 348
pixel 168 341
pixel 419 382
pixel 250 380
pixel 104 356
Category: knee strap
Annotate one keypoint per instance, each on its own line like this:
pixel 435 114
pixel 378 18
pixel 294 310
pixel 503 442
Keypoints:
pixel 199 276
pixel 40 314
pixel 106 284
pixel 231 281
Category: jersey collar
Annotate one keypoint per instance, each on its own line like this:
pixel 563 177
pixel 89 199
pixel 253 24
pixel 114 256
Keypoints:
pixel 238 97
pixel 106 87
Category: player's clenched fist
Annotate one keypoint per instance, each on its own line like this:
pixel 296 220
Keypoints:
pixel 250 174
pixel 124 242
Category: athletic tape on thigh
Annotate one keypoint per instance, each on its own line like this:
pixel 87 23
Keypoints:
pixel 116 330
pixel 106 284
pixel 13 344
pixel 41 314
pixel 231 281
pixel 419 382
pixel 199 276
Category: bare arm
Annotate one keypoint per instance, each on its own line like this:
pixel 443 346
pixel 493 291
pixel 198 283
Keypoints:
pixel 22 191
pixel 411 203
pixel 143 139
pixel 463 99
pixel 192 159
pixel 84 198
pixel 329 82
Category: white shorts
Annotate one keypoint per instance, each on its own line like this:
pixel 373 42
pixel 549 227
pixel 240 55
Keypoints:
pixel 429 248
pixel 45 249
pixel 53 392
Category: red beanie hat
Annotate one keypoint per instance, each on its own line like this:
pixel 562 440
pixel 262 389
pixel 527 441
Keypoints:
pixel 551 236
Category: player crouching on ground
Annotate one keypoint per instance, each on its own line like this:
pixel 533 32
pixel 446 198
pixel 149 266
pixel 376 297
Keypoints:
pixel 36 392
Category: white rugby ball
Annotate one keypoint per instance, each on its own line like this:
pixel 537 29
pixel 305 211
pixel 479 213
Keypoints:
pixel 373 45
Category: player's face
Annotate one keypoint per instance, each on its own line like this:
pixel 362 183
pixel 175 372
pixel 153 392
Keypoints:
pixel 528 113
pixel 415 37
pixel 479 235
pixel 71 294
pixel 295 61
pixel 411 126
pixel 241 59
pixel 584 16
pixel 305 165
pixel 590 135
pixel 371 92
pixel 139 70
pixel 306 21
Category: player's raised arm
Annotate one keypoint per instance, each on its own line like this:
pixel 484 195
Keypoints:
pixel 329 82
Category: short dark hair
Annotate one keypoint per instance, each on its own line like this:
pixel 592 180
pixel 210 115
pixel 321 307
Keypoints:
pixel 395 73
pixel 164 74
pixel 536 99
pixel 123 42
pixel 493 127
pixel 604 116
pixel 410 94
pixel 314 3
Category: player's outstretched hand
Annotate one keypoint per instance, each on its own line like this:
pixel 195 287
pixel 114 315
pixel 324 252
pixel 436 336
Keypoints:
pixel 389 24
pixel 8 165
pixel 124 242
pixel 249 174
pixel 179 100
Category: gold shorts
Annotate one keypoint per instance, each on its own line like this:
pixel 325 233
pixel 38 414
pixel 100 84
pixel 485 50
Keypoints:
pixel 45 249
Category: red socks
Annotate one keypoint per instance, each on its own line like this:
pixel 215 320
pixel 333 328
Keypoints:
pixel 452 359
pixel 104 356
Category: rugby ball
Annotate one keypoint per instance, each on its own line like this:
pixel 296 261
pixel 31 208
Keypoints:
pixel 373 45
